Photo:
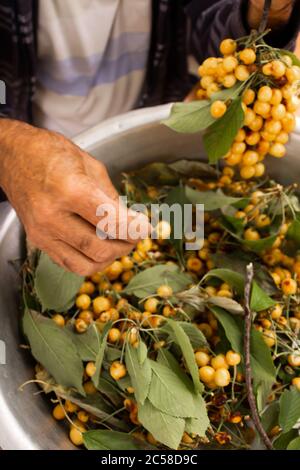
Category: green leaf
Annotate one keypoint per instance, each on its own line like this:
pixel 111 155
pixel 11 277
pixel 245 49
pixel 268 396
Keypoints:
pixel 263 370
pixel 194 169
pixel 283 440
pixel 111 440
pixel 293 56
pixel 101 350
pixel 87 343
pixel 55 287
pixel 168 393
pixel 196 336
pixel 190 117
pixel 293 232
pixel 139 369
pixel 165 428
pixel 289 409
pixel 52 347
pixel 110 391
pixel 185 345
pixel 218 138
pixel 269 418
pixel 259 299
pixel 294 444
pixel 212 200
pixel 259 245
pixel 228 93
pixel 231 328
pixel 227 304
pixel 146 282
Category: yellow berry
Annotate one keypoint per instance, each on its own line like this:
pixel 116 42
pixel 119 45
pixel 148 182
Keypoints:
pixel 117 370
pixel 262 109
pixel 247 56
pixel 219 361
pixel 127 263
pixel 151 305
pixel 114 270
pixel 282 137
pixel 296 383
pixel 76 436
pixel 251 234
pixel 241 73
pixel 87 287
pixel 206 81
pixel 168 311
pixel 288 122
pixel 247 172
pixel 83 416
pixel 207 374
pixel 249 116
pixel 202 358
pixel 58 319
pixel 272 126
pixel 276 96
pixel 277 150
pixel 234 159
pixel 262 220
pixel 218 109
pixel 86 316
pixel 144 245
pixel 58 412
pixel 253 138
pixel 233 358
pixel 248 96
pixel 80 325
pixel 265 94
pixel 238 147
pixel 90 369
pixel 294 360
pixel 263 147
pixel 249 158
pixel 101 304
pixel 227 46
pixel 278 68
pixel 289 286
pixel 83 301
pixel 213 88
pixel 229 80
pixel 164 291
pixel 70 407
pixel 194 264
pixel 269 337
pixel 241 135
pixel 229 63
pixel 256 124
pixel 259 170
pixel 206 329
pixel 114 335
pixel 278 111
pixel 222 377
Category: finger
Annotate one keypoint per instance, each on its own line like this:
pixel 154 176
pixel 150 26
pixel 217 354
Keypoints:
pixel 95 206
pixel 72 260
pixel 82 236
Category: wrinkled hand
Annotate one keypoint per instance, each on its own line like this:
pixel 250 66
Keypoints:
pixel 55 188
pixel 280 13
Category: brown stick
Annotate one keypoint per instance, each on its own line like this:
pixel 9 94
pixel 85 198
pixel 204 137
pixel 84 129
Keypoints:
pixel 248 370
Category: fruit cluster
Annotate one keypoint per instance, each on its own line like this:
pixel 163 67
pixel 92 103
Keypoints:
pixel 268 83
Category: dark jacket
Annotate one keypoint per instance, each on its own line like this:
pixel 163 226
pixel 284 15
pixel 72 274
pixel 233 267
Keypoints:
pixel 179 27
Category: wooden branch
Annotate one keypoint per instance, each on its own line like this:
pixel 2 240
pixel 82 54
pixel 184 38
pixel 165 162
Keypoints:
pixel 247 354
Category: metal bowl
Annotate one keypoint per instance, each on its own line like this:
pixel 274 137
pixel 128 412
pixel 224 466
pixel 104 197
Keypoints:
pixel 122 143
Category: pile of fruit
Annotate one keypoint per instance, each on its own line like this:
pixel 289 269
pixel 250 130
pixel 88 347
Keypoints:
pixel 260 85
pixel 152 349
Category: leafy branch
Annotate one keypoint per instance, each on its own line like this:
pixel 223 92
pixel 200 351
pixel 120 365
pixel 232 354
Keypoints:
pixel 247 353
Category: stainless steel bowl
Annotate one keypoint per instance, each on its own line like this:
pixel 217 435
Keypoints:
pixel 125 142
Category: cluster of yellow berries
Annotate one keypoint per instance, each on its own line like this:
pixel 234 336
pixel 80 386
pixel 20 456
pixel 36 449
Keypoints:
pixel 213 371
pixel 268 106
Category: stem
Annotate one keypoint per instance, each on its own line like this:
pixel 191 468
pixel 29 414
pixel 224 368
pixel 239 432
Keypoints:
pixel 265 16
pixel 248 369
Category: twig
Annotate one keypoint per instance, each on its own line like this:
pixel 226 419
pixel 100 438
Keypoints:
pixel 248 369
pixel 265 16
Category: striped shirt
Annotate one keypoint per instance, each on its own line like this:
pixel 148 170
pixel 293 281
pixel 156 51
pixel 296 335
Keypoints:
pixel 91 61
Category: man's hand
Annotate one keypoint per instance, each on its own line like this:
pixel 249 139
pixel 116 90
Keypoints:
pixel 55 188
pixel 280 13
